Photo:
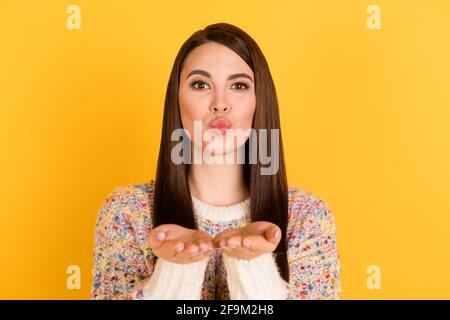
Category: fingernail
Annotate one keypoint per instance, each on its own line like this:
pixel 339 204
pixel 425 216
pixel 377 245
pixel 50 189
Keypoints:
pixel 180 248
pixel 275 234
pixel 160 236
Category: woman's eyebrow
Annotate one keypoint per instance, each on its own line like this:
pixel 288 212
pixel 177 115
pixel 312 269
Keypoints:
pixel 230 77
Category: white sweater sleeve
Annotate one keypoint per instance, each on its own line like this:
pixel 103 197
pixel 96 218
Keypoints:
pixel 175 281
pixel 257 279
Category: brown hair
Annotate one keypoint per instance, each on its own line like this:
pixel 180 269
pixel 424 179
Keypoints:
pixel 268 193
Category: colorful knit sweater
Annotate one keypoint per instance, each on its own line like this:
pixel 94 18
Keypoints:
pixel 125 268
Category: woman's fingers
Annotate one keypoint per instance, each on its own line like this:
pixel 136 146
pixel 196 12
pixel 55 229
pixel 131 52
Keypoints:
pixel 192 248
pixel 220 239
pixel 156 238
pixel 249 242
pixel 179 246
pixel 240 252
pixel 260 244
pixel 234 241
pixel 218 244
pixel 204 241
pixel 204 244
pixel 199 243
pixel 189 255
pixel 162 233
pixel 169 249
pixel 250 246
pixel 179 250
pixel 273 234
pixel 185 245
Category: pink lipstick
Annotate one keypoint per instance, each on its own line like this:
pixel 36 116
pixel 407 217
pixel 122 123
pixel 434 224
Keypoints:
pixel 221 124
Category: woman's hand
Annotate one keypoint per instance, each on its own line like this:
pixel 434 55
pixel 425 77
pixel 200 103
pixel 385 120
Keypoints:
pixel 250 241
pixel 178 244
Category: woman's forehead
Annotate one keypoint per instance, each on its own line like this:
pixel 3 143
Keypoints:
pixel 216 59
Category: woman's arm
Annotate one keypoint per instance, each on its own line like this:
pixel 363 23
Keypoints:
pixel 312 251
pixel 312 256
pixel 123 271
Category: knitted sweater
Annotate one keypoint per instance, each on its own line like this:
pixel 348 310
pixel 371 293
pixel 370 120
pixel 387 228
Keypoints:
pixel 125 268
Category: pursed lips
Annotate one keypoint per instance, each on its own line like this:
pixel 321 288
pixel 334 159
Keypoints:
pixel 220 123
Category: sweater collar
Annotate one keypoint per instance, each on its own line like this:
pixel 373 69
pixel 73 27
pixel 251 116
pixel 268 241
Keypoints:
pixel 221 213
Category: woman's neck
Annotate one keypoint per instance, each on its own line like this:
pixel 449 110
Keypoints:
pixel 218 184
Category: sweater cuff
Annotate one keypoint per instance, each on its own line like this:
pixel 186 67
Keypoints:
pixel 175 281
pixel 257 278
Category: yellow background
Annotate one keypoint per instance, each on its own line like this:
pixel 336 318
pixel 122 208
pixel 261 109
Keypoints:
pixel 365 116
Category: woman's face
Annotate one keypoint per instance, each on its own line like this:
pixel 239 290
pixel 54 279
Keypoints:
pixel 217 90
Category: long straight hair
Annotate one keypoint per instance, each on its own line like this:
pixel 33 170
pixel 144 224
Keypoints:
pixel 172 201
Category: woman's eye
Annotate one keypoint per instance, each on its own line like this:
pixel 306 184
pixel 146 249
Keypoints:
pixel 240 86
pixel 199 85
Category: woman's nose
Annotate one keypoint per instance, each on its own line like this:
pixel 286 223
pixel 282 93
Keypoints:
pixel 215 108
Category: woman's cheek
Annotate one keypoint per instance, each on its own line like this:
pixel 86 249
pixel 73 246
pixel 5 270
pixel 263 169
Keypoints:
pixel 247 115
pixel 187 109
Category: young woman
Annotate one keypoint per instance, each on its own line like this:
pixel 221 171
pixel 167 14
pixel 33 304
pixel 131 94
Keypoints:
pixel 217 229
